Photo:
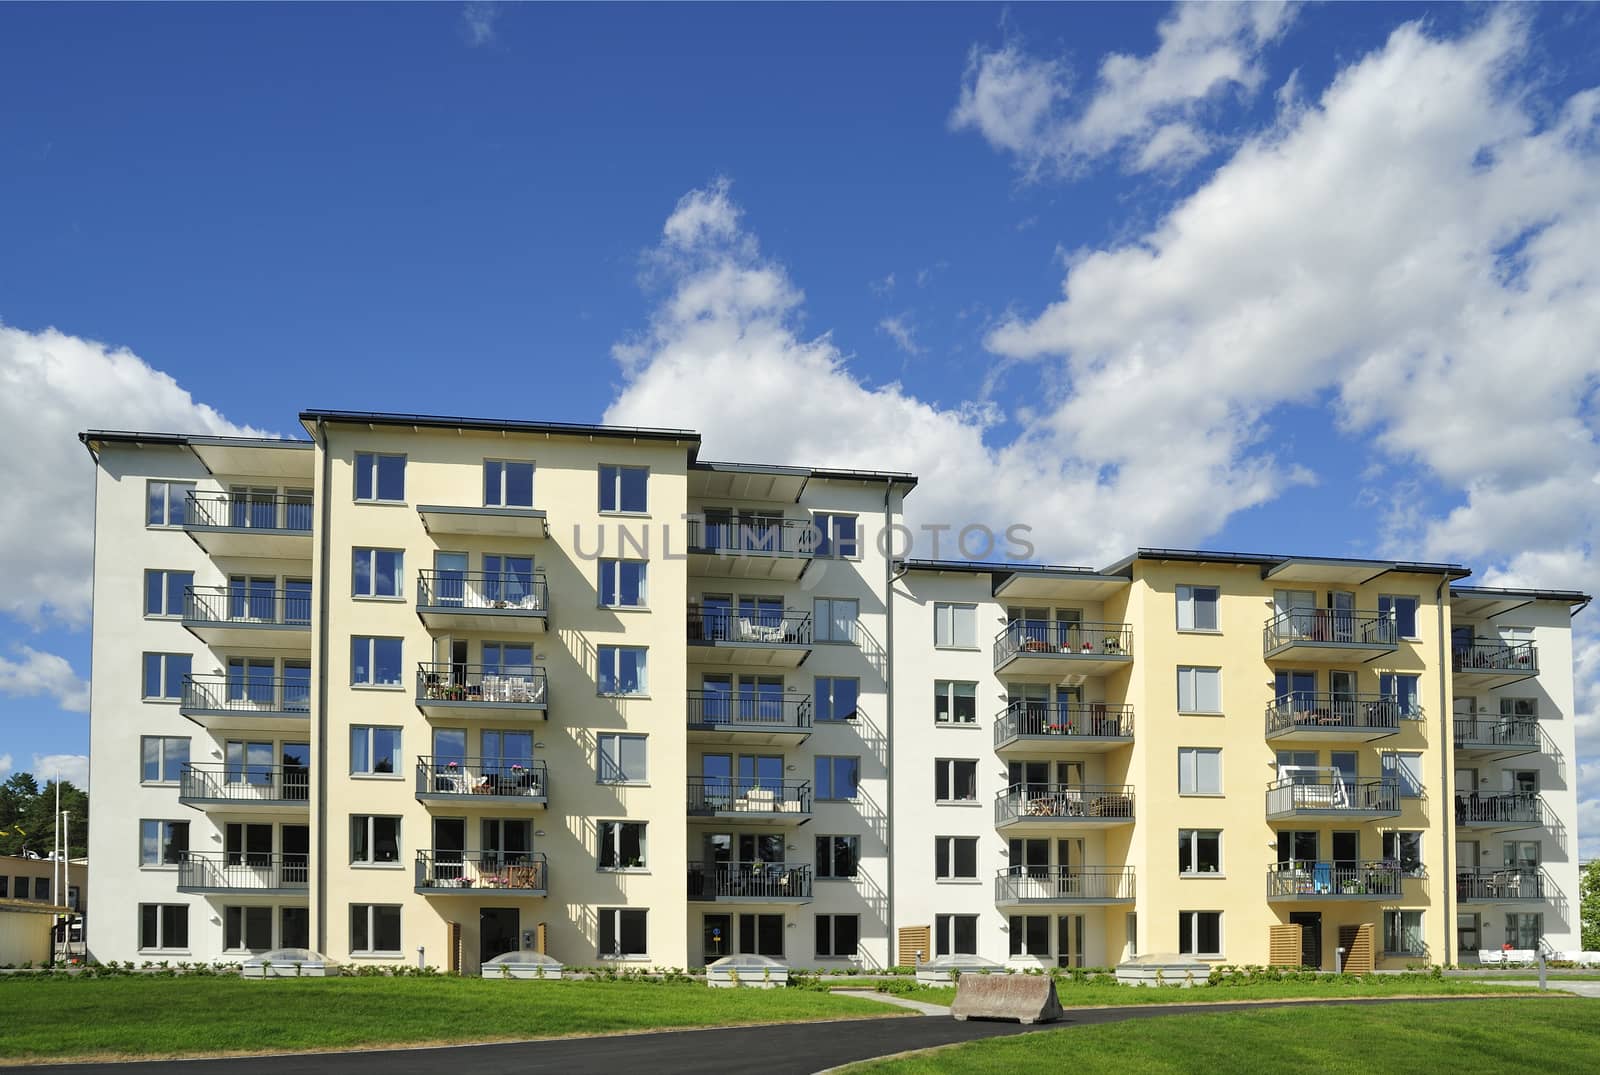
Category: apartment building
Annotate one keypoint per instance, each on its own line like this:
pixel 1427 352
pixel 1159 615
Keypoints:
pixel 422 688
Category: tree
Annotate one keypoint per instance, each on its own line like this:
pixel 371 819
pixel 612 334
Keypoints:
pixel 27 816
pixel 1589 905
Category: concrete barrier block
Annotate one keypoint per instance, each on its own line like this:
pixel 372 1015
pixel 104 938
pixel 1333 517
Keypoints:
pixel 1027 998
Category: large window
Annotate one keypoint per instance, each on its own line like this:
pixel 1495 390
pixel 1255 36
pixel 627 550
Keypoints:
pixel 162 758
pixel 1199 851
pixel 623 670
pixel 955 858
pixel 622 489
pixel 163 675
pixel 162 843
pixel 377 573
pixel 247 928
pixel 374 750
pixel 1403 611
pixel 761 934
pixel 1519 708
pixel 1524 931
pixel 507 484
pixel 834 619
pixel 622 584
pixel 1200 933
pixel 837 536
pixel 1402 934
pixel 374 929
pixel 1199 690
pixel 1405 850
pixel 1030 935
pixel 380 478
pixel 1197 608
pixel 955 626
pixel 374 839
pixel 167 502
pixel 955 934
pixel 163 592
pixel 621 845
pixel 838 856
pixel 838 935
pixel 1199 771
pixel 837 777
pixel 622 933
pixel 836 697
pixel 1404 690
pixel 622 759
pixel 955 702
pixel 163 927
pixel 1404 769
pixel 374 662
pixel 955 780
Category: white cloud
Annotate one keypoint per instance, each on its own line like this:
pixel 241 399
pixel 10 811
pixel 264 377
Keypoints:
pixel 73 768
pixel 1147 109
pixel 478 19
pixel 899 329
pixel 55 386
pixel 5 765
pixel 46 674
pixel 882 287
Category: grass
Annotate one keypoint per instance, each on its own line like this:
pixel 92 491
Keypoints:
pixel 1092 995
pixel 163 1017
pixel 1551 1035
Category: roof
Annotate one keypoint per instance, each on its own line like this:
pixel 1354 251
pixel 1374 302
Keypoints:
pixel 875 477
pixel 92 438
pixel 1268 561
pixel 550 429
pixel 1569 597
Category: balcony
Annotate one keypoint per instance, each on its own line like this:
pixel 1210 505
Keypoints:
pixel 776 549
pixel 1063 806
pixel 463 691
pixel 777 638
pixel 222 702
pixel 503 875
pixel 1329 635
pixel 750 882
pixel 249 872
pixel 228 788
pixel 1497 737
pixel 442 520
pixel 250 617
pixel 1315 716
pixel 1488 884
pixel 1068 885
pixel 505 602
pixel 1315 881
pixel 1037 728
pixel 1499 810
pixel 756 719
pixel 1332 797
pixel 765 802
pixel 1486 664
pixel 463 782
pixel 1051 648
pixel 257 525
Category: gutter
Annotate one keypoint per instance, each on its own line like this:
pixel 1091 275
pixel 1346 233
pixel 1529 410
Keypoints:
pixel 888 696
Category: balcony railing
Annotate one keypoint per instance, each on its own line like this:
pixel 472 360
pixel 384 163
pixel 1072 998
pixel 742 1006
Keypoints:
pixel 742 537
pixel 749 881
pixel 1097 720
pixel 243 871
pixel 247 695
pixel 509 685
pixel 1049 884
pixel 1329 626
pixel 1491 656
pixel 524 871
pixel 250 511
pixel 1516 808
pixel 1301 878
pixel 722 795
pixel 1332 795
pixel 1089 803
pixel 774 627
pixel 514 591
pixel 1068 639
pixel 753 712
pixel 247 605
pixel 1512 734
pixel 246 784
pixel 1320 711
pixel 469 777
pixel 1491 884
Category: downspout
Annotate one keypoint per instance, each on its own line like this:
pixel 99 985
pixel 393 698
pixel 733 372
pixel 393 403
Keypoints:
pixel 321 806
pixel 888 724
pixel 1447 751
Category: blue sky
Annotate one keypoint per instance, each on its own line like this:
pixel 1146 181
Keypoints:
pixel 1259 278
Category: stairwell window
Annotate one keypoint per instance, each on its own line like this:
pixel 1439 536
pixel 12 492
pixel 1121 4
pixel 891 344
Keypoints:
pixel 163 927
pixel 622 759
pixel 955 702
pixel 374 929
pixel 833 619
pixel 1199 771
pixel 836 697
pixel 955 780
pixel 1403 610
pixel 162 758
pixel 1404 769
pixel 380 479
pixel 167 503
pixel 374 751
pixel 955 626
pixel 623 670
pixel 955 934
pixel 1406 849
pixel 1199 690
pixel 1402 934
pixel 1199 852
pixel 163 592
pixel 1197 608
pixel 837 777
pixel 622 845
pixel 376 573
pixel 374 662
pixel 374 840
pixel 164 674
pixel 622 583
pixel 837 536
pixel 507 484
pixel 838 935
pixel 163 843
pixel 1404 689
pixel 838 857
pixel 622 933
pixel 622 490
pixel 1200 934
pixel 955 858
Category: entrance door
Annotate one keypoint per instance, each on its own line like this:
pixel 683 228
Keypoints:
pixel 1468 934
pixel 716 936
pixel 498 932
pixel 1310 923
pixel 1069 940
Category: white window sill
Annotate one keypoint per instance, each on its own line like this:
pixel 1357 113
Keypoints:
pixel 164 952
pixel 623 959
pixel 377 865
pixel 838 880
pixel 622 694
pixel 957 802
pixel 396 687
pixel 377 955
pixel 158 783
pixel 1201 713
pixel 624 608
pixel 1199 631
pixel 617 513
pixel 158 867
pixel 393 599
pixel 377 776
pixel 1201 795
pixel 623 783
pixel 152 700
pixel 380 503
pixel 172 617
pixel 637 870
pixel 1203 876
pixel 965 724
pixel 959 649
pixel 968 881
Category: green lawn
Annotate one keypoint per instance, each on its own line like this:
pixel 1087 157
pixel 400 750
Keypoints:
pixel 1549 1035
pixel 1093 995
pixel 176 1016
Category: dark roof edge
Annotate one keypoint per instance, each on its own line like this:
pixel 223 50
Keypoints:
pixel 562 429
pixel 821 473
pixel 1260 559
pixel 91 437
pixel 1570 597
pixel 1009 567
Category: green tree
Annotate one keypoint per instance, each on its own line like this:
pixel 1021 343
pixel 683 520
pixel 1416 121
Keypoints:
pixel 27 816
pixel 1589 905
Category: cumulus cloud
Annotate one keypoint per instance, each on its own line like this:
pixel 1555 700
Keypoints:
pixel 36 674
pixel 899 329
pixel 5 765
pixel 73 768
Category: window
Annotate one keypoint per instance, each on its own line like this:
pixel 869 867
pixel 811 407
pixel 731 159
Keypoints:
pixel 374 750
pixel 622 584
pixel 163 592
pixel 1199 771
pixel 162 758
pixel 162 843
pixel 1403 689
pixel 834 619
pixel 374 929
pixel 955 934
pixel 374 839
pixel 1406 771
pixel 247 928
pixel 1524 931
pixel 837 536
pixel 374 662
pixel 1197 608
pixel 955 780
pixel 164 674
pixel 955 858
pixel 621 845
pixel 836 697
pixel 955 702
pixel 622 933
pixel 955 626
pixel 1030 935
pixel 377 573
pixel 1199 690
pixel 1403 610
pixel 838 856
pixel 1404 848
pixel 838 934
pixel 1200 933
pixel 168 502
pixel 1519 708
pixel 837 777
pixel 41 889
pixel 622 489
pixel 163 926
pixel 622 759
pixel 623 670
pixel 507 484
pixel 1199 851
pixel 1402 934
pixel 761 934
pixel 380 478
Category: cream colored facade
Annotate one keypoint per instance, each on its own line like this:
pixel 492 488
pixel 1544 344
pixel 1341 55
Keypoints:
pixel 457 686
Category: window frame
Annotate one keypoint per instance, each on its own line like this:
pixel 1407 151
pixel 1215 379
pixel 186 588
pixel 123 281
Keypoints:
pixel 617 490
pixel 1396 838
pixel 166 503
pixel 161 759
pixel 1189 923
pixel 399 751
pixel 1196 752
pixel 619 931
pixel 1398 914
pixel 165 675
pixel 610 596
pixel 944 934
pixel 1393 612
pixel 608 837
pixel 945 847
pixel 600 759
pixel 822 636
pixel 947 768
pixel 1189 846
pixel 832 929
pixel 166 827
pixel 615 652
pixel 817 696
pixel 1193 672
pixel 372 663
pixel 831 855
pixel 372 574
pixel 1404 776
pixel 370 929
pixel 161 924
pixel 946 690
pixel 240 911
pixel 1191 600
pixel 369 822
pixel 944 615
pixel 829 541
pixel 374 467
pixel 503 464
pixel 832 760
pixel 168 612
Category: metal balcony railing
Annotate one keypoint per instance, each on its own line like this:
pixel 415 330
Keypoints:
pixel 1510 733
pixel 1500 808
pixel 737 537
pixel 1064 802
pixel 247 695
pixel 1305 878
pixel 755 712
pixel 1332 626
pixel 505 684
pixel 466 777
pixel 1493 656
pixel 773 627
pixel 243 871
pixel 749 880
pixel 1494 883
pixel 1332 794
pixel 1046 884
pixel 1322 711
pixel 250 511
pixel 1061 637
pixel 721 795
pixel 248 605
pixel 515 870
pixel 1103 720
pixel 519 591
pixel 244 784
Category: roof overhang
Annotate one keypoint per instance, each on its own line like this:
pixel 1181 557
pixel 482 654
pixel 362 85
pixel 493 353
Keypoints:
pixel 312 419
pixel 262 457
pixel 1487 602
pixel 742 481
pixel 1058 584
